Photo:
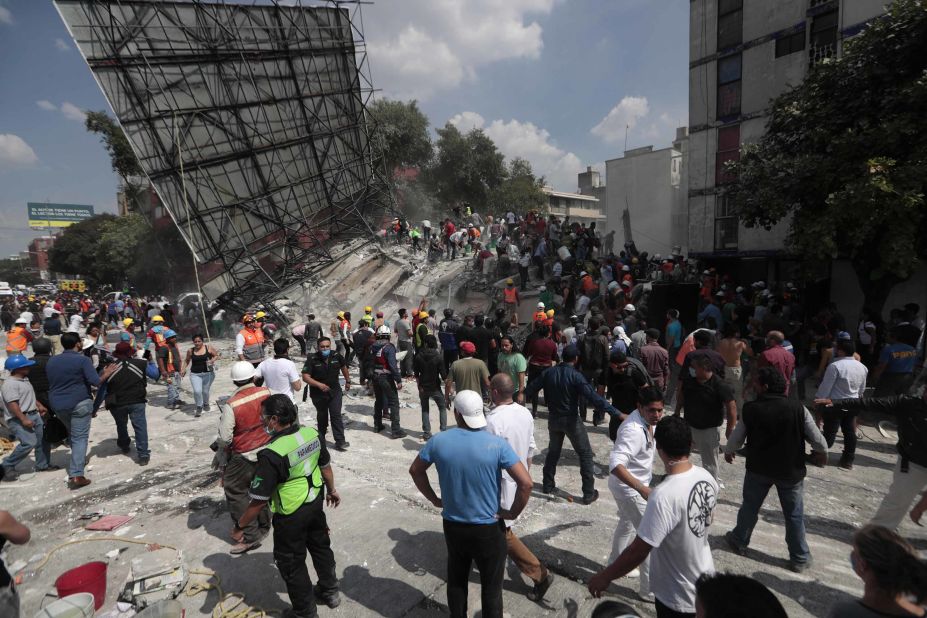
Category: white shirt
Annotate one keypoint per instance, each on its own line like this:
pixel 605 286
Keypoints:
pixel 675 524
pixel 557 269
pixel 864 337
pixel 279 375
pixel 633 449
pixel 47 311
pixel 513 423
pixel 569 335
pixel 845 378
pixel 27 316
pixel 74 325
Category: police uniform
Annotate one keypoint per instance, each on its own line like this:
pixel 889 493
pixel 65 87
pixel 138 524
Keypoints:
pixel 289 477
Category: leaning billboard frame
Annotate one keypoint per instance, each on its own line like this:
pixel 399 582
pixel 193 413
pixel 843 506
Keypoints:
pixel 250 122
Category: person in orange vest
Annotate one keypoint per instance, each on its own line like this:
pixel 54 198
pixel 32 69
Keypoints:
pixel 249 342
pixel 241 436
pixel 155 334
pixel 539 315
pixel 18 338
pixel 587 285
pixel 510 298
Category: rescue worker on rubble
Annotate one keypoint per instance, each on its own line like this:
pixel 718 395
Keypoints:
pixel 386 383
pixel 290 476
pixel 510 298
pixel 249 342
pixel 241 436
pixel 155 334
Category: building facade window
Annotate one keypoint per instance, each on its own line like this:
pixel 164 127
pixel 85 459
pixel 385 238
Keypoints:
pixel 823 39
pixel 726 225
pixel 729 82
pixel 728 150
pixel 790 43
pixel 730 23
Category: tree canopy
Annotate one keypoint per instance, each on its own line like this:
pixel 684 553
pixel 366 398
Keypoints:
pixel 844 155
pixel 467 167
pixel 120 151
pixel 520 191
pixel 401 134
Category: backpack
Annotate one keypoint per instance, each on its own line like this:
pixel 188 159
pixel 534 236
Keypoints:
pixel 639 366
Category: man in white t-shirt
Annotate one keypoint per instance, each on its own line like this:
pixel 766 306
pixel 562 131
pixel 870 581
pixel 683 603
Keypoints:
pixel 631 466
pixel 513 423
pixel 674 528
pixel 279 373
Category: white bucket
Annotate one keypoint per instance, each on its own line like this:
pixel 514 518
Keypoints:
pixel 564 253
pixel 78 605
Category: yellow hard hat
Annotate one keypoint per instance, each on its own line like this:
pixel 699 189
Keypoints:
pixel 368 309
pixel 157 318
pixel 509 282
pixel 423 315
pixel 247 318
pixel 259 315
pixel 128 322
pixel 341 314
pixel 550 313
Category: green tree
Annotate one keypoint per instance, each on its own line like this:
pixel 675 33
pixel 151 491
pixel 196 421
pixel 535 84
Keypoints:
pixel 400 134
pixel 844 156
pixel 467 168
pixel 76 250
pixel 15 272
pixel 521 191
pixel 123 159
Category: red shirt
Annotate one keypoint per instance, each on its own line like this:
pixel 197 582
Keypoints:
pixel 782 360
pixel 542 352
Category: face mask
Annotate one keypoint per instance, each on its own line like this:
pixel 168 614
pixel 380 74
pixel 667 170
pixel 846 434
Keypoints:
pixel 326 353
pixel 692 372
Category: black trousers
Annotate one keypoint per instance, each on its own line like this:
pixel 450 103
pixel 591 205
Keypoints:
pixel 834 418
pixel 449 357
pixel 305 530
pixel 485 545
pixel 385 394
pixel 533 372
pixel 329 408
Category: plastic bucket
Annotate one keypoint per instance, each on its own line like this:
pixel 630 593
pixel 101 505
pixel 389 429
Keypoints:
pixel 168 608
pixel 74 606
pixel 90 577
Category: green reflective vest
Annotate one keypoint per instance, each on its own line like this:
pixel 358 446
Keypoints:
pixel 301 450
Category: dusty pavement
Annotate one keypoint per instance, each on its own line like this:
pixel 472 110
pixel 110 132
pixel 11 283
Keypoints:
pixel 387 539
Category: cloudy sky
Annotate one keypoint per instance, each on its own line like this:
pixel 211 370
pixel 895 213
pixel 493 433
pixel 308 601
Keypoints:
pixel 553 81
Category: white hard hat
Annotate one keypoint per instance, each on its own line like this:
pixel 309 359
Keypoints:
pixel 582 273
pixel 21 321
pixel 241 371
pixel 384 331
pixel 540 305
pixel 87 343
pixel 630 307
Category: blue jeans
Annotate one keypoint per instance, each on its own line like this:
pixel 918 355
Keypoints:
pixel 437 396
pixel 791 497
pixel 173 388
pixel 134 412
pixel 201 383
pixel 29 439
pixel 77 421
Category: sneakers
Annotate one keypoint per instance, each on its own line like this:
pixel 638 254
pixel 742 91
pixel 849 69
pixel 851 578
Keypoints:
pixel 800 567
pixel 846 462
pixel 540 589
pixel 377 428
pixel 143 461
pixel 342 446
pixel 205 407
pixel 76 482
pixel 198 412
pixel 50 468
pixel 331 600
pixel 734 544
pixel 397 434
pixel 241 548
pixel 587 500
pixel 8 475
pixel 426 437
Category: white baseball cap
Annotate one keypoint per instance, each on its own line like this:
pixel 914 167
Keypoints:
pixel 469 404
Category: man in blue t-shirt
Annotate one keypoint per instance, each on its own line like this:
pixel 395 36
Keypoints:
pixel 470 463
pixel 895 372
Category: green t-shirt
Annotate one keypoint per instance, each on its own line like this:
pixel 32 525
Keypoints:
pixel 468 374
pixel 512 364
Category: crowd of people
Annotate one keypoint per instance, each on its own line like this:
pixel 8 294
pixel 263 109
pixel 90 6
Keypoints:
pixel 668 389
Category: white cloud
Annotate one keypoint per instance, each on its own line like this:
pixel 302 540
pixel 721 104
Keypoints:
pixel 5 16
pixel 421 47
pixel 48 106
pixel 625 115
pixel 15 152
pixel 528 141
pixel 73 112
pixel 61 45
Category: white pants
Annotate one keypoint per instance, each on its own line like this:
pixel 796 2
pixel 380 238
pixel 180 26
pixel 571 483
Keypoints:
pixel 707 442
pixel 630 511
pixel 733 377
pixel 901 494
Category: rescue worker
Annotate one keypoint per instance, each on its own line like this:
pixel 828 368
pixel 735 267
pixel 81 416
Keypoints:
pixel 511 299
pixel 249 342
pixel 386 383
pixel 128 334
pixel 368 315
pixel 241 436
pixel 422 330
pixel 17 340
pixel 290 476
pixel 539 315
pixel 155 334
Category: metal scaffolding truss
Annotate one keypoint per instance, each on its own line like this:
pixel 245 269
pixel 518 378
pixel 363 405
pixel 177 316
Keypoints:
pixel 250 122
